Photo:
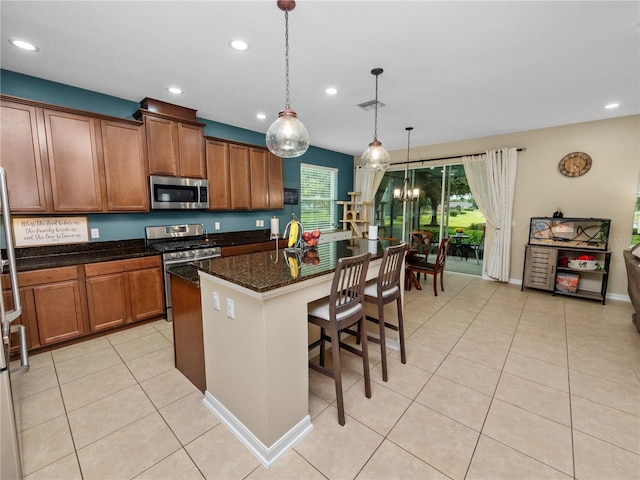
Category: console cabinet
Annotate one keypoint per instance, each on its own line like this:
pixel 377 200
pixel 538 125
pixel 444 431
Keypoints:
pixel 553 242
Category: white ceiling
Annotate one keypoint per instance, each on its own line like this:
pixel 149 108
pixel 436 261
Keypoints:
pixel 452 70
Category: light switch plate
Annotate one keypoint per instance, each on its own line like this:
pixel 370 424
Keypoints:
pixel 216 225
pixel 230 312
pixel 95 233
pixel 216 301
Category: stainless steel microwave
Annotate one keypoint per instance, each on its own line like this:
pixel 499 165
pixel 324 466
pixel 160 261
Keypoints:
pixel 178 193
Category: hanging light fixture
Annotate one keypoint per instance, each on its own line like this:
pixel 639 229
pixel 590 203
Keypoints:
pixel 375 157
pixel 408 193
pixel 287 137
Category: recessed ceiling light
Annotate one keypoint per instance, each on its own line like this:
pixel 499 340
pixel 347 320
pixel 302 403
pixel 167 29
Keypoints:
pixel 175 90
pixel 612 105
pixel 240 45
pixel 24 45
pixel 331 91
pixel 261 116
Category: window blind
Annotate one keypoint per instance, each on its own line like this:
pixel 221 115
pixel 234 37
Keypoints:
pixel 318 196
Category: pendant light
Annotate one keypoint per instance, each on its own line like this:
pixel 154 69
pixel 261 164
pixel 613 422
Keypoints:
pixel 375 158
pixel 408 193
pixel 287 137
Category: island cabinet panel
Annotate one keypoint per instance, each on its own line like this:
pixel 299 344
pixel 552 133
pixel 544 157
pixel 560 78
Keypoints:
pixel 22 158
pixel 124 291
pixel 191 143
pixel 259 179
pixel 218 174
pixel 187 331
pixel 72 149
pixel 162 146
pixel 125 166
pixel 276 183
pixel 240 177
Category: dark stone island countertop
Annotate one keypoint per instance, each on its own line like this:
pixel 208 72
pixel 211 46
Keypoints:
pixel 261 272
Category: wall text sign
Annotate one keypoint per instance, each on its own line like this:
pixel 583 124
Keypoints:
pixel 32 231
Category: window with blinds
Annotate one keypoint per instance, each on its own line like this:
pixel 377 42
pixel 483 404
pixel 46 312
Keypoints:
pixel 318 196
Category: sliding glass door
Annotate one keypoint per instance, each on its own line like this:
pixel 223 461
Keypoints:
pixel 444 206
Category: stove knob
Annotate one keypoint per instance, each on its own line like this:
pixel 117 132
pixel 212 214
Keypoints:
pixel 174 254
pixel 207 251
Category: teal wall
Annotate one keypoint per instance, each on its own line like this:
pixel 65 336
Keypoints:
pixel 114 226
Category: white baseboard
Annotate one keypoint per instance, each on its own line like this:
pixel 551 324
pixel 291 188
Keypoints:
pixel 266 455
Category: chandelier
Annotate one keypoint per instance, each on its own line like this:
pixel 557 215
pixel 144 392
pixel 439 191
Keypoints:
pixel 287 137
pixel 407 193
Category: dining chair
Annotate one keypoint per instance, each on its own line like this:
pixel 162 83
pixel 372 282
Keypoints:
pixel 478 249
pixel 420 242
pixel 343 308
pixel 436 268
pixel 383 290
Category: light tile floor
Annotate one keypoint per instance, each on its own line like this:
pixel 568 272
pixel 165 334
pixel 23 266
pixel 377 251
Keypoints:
pixel 499 383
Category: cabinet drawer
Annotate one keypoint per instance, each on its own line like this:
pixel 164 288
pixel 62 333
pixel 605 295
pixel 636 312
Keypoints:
pixel 39 277
pixel 119 266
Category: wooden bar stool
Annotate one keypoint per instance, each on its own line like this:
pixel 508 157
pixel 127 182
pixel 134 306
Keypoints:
pixel 384 290
pixel 342 309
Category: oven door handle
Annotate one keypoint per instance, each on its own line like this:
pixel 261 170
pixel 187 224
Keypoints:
pixel 187 261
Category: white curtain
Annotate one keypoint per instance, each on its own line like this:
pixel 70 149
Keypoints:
pixel 492 181
pixel 367 183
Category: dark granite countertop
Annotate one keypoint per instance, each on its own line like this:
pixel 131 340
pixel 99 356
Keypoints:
pixel 261 272
pixel 34 258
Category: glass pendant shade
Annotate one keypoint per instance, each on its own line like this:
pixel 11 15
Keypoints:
pixel 287 137
pixel 375 158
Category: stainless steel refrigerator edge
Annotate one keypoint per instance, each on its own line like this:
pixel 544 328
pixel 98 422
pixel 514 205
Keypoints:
pixel 10 461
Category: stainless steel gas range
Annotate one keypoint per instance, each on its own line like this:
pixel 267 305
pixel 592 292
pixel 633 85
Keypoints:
pixel 180 245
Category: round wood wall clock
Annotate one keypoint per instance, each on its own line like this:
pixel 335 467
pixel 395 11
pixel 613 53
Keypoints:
pixel 575 164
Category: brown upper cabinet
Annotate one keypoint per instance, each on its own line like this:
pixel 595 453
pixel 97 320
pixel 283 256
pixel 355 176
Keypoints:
pixel 242 177
pixel 21 156
pixel 175 141
pixel 218 174
pixel 72 151
pixel 125 166
pixel 61 160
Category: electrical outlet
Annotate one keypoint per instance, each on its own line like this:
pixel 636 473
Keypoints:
pixel 216 301
pixel 95 233
pixel 216 225
pixel 230 312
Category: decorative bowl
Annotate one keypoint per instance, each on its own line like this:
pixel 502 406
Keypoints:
pixel 577 264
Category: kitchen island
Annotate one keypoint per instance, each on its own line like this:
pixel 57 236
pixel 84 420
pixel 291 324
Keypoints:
pixel 254 313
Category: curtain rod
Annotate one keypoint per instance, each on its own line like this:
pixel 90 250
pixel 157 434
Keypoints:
pixel 519 149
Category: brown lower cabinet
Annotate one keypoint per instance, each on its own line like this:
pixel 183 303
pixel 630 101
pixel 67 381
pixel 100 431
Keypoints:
pixel 187 331
pixel 123 291
pixel 52 307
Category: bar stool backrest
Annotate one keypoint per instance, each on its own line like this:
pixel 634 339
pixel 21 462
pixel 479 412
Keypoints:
pixel 391 269
pixel 347 289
